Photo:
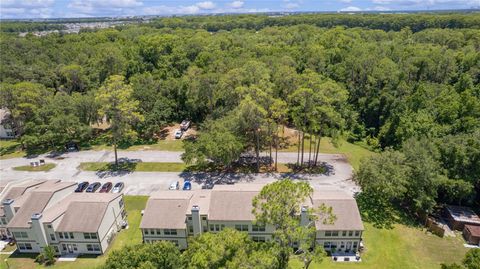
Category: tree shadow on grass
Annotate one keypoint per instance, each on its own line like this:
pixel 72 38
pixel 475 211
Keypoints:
pixel 112 170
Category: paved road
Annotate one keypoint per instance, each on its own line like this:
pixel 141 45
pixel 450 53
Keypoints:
pixel 143 183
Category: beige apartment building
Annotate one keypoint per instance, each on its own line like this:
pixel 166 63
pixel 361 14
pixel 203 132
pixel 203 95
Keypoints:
pixel 76 223
pixel 176 215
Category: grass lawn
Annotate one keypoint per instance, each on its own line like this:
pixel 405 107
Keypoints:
pixel 139 167
pixel 41 168
pixel 399 248
pixel 354 153
pixel 131 236
pixel 10 149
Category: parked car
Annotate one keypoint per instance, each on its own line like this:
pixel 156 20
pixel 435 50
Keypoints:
pixel 71 146
pixel 208 185
pixel 118 187
pixel 178 134
pixel 187 185
pixel 106 187
pixel 81 186
pixel 185 125
pixel 93 187
pixel 174 186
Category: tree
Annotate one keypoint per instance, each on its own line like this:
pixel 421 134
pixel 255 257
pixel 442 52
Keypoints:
pixel 227 249
pixel 472 259
pixel 116 103
pixel 161 254
pixel 279 204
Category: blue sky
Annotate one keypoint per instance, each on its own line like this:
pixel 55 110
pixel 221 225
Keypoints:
pixel 89 8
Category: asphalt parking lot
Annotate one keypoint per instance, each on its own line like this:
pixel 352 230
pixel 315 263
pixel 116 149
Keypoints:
pixel 144 183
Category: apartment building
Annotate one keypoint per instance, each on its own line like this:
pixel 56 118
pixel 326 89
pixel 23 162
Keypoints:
pixel 77 223
pixel 176 215
pixel 9 192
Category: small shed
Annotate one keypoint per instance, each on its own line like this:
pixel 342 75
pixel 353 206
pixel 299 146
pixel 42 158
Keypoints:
pixel 472 234
pixel 459 216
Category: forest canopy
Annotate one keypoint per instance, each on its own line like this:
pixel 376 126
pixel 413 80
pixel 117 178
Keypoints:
pixel 387 81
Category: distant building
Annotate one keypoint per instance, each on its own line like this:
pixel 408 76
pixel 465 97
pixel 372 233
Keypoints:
pixel 6 129
pixel 459 216
pixel 176 215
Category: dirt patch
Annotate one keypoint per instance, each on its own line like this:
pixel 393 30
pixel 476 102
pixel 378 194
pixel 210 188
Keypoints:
pixel 168 133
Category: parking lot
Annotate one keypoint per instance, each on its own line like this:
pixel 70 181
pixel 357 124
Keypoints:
pixel 144 183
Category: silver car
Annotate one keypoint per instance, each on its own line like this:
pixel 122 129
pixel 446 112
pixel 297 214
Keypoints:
pixel 174 186
pixel 118 187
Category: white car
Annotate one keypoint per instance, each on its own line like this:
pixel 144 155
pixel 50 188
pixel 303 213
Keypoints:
pixel 174 186
pixel 178 134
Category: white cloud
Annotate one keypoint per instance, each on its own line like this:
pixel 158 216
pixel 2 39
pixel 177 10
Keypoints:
pixel 350 9
pixel 27 3
pixel 206 5
pixel 426 2
pixel 237 4
pixel 345 1
pixel 26 9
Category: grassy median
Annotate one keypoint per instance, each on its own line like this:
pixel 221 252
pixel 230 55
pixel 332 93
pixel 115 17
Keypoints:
pixel 138 167
pixel 40 168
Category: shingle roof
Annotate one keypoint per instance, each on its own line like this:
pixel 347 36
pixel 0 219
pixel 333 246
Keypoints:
pixel 165 213
pixel 83 217
pixel 346 213
pixel 231 205
pixel 35 204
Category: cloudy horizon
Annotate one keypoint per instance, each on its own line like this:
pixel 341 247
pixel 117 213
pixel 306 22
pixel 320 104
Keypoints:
pixel 30 9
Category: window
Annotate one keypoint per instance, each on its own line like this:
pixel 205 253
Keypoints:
pixel 75 247
pixel 334 233
pixel 189 217
pixel 326 244
pixel 258 238
pixel 20 234
pixel 158 231
pixel 342 244
pixel 212 227
pixel 170 232
pixel 328 233
pixel 28 246
pixel 241 227
pixel 3 221
pixel 258 228
pixel 205 229
pixel 55 248
pixel 350 233
pixel 65 235
pixel 64 247
pixel 49 226
pixel 52 236
pixel 21 245
pixel 93 235
pixel 344 233
pixel 96 247
pixel 190 229
pixel 204 218
pixel 71 236
pixel 89 247
pixel 357 233
pixel 120 203
pixel 145 231
pixel 60 235
pixel 86 235
pixel 355 245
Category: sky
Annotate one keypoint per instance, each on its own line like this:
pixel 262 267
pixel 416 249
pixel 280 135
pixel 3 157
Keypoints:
pixel 13 9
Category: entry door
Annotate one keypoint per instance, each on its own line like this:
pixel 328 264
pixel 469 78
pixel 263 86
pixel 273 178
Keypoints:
pixel 70 248
pixel 349 246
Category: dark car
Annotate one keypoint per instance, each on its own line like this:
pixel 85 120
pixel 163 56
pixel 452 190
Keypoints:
pixel 71 146
pixel 118 187
pixel 93 187
pixel 106 187
pixel 187 185
pixel 208 185
pixel 81 186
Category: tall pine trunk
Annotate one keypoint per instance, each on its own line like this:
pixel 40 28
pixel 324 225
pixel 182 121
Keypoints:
pixel 318 148
pixel 298 147
pixel 303 147
pixel 310 149
pixel 257 151
pixel 276 151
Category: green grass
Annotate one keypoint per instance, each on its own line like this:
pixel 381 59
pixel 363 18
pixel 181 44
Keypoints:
pixel 41 168
pixel 132 236
pixel 10 149
pixel 354 153
pixel 138 167
pixel 399 248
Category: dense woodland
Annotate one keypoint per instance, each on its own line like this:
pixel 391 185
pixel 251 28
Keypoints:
pixel 404 85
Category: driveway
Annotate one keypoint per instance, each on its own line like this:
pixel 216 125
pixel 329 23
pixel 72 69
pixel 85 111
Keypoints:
pixel 143 183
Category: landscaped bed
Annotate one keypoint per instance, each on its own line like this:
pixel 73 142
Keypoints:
pixel 39 168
